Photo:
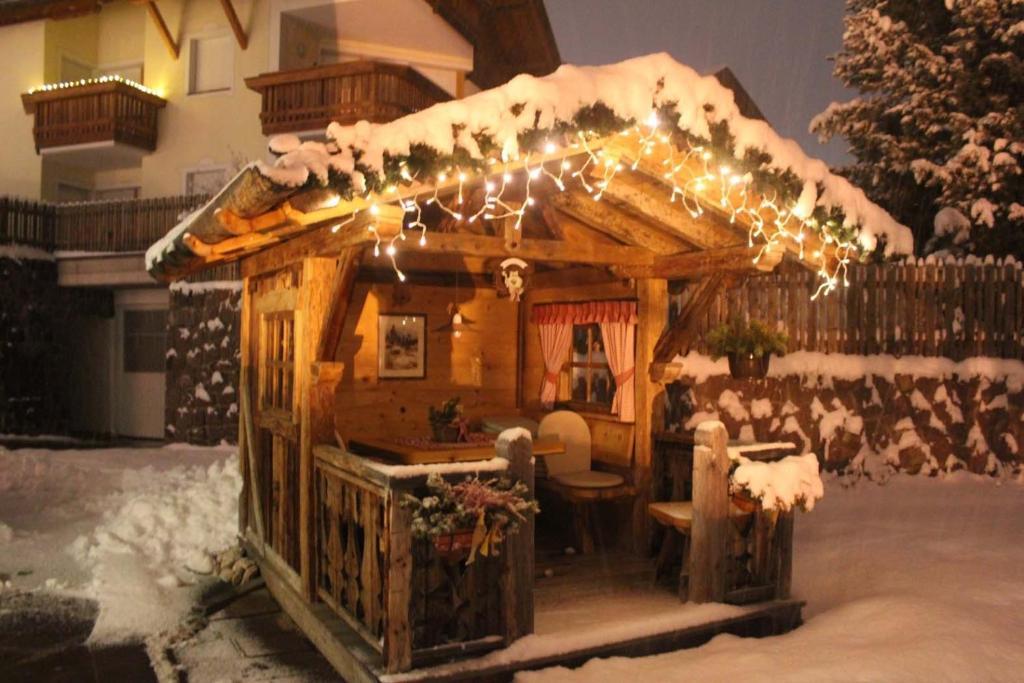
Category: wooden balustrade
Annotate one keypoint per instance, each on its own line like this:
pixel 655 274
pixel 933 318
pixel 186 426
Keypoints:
pixel 309 99
pixel 410 604
pixel 108 226
pixel 27 223
pixel 95 112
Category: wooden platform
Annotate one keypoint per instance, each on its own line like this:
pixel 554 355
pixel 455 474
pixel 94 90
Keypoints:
pixel 599 605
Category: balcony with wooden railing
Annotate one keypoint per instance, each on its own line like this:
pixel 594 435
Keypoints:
pixel 108 109
pixel 309 99
pixel 128 225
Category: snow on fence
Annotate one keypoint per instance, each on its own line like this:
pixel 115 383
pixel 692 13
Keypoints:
pixel 956 310
pixel 118 226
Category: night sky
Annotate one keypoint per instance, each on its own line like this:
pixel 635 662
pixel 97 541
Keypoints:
pixel 777 48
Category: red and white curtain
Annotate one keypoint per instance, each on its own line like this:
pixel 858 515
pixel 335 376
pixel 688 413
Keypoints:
pixel 617 320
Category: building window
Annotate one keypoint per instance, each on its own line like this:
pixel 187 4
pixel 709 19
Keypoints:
pixel 277 379
pixel 592 384
pixel 211 65
pixel 205 181
pixel 145 340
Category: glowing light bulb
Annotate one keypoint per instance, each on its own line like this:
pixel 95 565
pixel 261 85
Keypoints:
pixel 550 148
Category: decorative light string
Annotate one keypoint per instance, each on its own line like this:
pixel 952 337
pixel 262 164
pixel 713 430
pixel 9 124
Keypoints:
pixel 109 78
pixel 698 182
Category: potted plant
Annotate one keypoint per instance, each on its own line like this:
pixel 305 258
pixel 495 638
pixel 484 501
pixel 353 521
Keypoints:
pixel 748 346
pixel 470 517
pixel 445 421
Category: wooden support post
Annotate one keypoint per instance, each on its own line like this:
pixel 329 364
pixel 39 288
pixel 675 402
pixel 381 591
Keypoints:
pixel 252 464
pixel 709 551
pixel 161 27
pixel 784 550
pixel 398 636
pixel 314 298
pixel 236 25
pixel 652 317
pixel 518 563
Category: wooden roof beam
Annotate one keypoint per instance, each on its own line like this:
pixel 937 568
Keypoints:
pixel 652 201
pixel 696 264
pixel 553 251
pixel 652 168
pixel 602 216
pixel 236 25
pixel 161 26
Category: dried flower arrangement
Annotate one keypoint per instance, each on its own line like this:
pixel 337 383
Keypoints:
pixel 476 512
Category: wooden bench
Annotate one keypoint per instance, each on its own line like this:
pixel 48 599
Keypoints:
pixel 677 517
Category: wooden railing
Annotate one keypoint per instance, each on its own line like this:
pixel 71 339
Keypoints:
pixel 96 112
pixel 951 310
pixel 109 226
pixel 309 99
pixel 410 604
pixel 27 223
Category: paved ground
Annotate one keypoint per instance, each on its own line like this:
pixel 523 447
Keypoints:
pixel 42 640
pixel 251 639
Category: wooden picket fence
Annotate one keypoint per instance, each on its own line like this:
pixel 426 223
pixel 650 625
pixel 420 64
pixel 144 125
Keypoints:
pixel 952 310
pixel 109 226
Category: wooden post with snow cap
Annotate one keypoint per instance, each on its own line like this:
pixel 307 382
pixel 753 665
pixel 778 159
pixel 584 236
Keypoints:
pixel 516 446
pixel 709 533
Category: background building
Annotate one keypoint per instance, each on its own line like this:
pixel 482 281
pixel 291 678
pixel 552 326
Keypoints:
pixel 131 114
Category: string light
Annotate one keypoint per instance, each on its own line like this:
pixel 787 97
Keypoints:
pixel 698 181
pixel 109 78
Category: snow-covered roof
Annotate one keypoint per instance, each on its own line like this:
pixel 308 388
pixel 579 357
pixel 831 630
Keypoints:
pixel 504 121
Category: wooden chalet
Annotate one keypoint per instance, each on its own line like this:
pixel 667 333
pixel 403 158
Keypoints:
pixel 332 436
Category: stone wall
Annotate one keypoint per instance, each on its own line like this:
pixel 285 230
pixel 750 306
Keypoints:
pixel 29 348
pixel 203 362
pixel 35 351
pixel 874 424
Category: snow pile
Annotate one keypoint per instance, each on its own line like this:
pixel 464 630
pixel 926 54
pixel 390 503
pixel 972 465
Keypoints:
pixel 918 580
pixel 850 367
pixel 783 484
pixel 630 89
pixel 161 534
pixel 122 526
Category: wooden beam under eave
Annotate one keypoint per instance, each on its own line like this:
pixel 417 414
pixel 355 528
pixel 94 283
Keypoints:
pixel 236 25
pixel 161 27
pixel 651 200
pixel 606 218
pixel 678 338
pixel 554 251
pixel 696 264
pixel 652 168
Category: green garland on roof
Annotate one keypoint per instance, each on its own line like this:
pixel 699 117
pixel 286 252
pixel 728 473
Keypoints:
pixel 426 162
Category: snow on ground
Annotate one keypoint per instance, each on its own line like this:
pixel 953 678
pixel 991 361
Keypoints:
pixel 916 580
pixel 126 527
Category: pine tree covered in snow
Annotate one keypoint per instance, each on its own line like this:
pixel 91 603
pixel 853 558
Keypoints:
pixel 939 122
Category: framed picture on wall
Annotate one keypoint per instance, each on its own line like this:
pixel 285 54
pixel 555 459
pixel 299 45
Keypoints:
pixel 402 346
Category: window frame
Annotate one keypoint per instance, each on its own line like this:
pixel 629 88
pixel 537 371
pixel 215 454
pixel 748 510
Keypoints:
pixel 193 65
pixel 588 406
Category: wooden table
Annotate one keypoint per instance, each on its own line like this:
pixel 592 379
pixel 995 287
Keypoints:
pixel 394 451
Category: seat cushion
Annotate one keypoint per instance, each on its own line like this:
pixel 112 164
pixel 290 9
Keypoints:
pixel 589 479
